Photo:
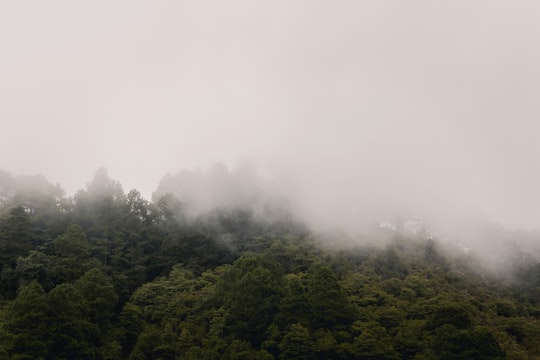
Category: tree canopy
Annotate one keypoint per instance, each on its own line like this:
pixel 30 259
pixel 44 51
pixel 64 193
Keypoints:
pixel 110 275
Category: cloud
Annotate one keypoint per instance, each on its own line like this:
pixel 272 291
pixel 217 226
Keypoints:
pixel 367 108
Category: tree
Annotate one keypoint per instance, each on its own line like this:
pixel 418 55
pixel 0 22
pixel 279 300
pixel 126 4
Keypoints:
pixel 373 343
pixel 296 343
pixel 35 266
pixel 97 290
pixel 72 256
pixel 326 299
pixel 132 324
pixel 455 344
pixel 151 345
pixel 26 325
pixel 15 236
pixel 240 350
pixel 251 290
pixel 72 335
pixel 294 307
pixel 73 243
pixel 409 338
pixel 324 345
pixel 451 314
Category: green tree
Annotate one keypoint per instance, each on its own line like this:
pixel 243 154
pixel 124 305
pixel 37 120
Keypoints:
pixel 153 344
pixel 451 314
pixel 294 307
pixel 296 343
pixel 15 236
pixel 35 266
pixel 251 290
pixel 455 344
pixel 240 350
pixel 374 343
pixel 73 243
pixel 326 299
pixel 324 344
pixel 132 325
pixel 98 292
pixel 72 335
pixel 409 339
pixel 27 332
pixel 71 256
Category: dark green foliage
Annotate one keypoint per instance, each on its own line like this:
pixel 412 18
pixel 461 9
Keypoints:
pixel 71 256
pixel 72 243
pixel 15 236
pixel 98 292
pixel 132 325
pixel 506 308
pixel 105 275
pixel 409 339
pixel 50 326
pixel 26 330
pixel 251 290
pixel 294 305
pixel 374 343
pixel 148 345
pixel 72 334
pixel 296 343
pixel 326 299
pixel 35 266
pixel 448 313
pixel 479 344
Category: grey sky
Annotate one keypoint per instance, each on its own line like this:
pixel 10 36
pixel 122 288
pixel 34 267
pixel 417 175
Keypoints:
pixel 366 106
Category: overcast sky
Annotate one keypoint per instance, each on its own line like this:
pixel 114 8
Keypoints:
pixel 416 106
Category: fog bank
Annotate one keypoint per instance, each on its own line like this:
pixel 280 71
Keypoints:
pixel 356 110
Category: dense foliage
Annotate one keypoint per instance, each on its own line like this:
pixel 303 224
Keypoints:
pixel 108 275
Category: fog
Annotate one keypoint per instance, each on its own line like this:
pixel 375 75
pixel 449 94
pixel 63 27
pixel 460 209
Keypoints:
pixel 350 110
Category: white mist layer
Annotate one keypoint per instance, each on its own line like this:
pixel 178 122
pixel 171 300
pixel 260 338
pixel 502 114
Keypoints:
pixel 354 109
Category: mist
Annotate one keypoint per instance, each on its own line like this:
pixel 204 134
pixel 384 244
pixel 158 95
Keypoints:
pixel 350 112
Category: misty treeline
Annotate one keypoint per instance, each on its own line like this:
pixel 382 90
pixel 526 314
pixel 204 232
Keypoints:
pixel 109 275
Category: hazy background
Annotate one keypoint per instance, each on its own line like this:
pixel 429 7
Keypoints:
pixel 352 108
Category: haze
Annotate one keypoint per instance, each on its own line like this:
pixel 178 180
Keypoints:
pixel 354 108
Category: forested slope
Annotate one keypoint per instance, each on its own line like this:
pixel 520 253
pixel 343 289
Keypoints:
pixel 109 275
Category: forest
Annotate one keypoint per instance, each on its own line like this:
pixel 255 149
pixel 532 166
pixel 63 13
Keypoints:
pixel 105 274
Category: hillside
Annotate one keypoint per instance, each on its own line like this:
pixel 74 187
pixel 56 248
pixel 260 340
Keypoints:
pixel 109 275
